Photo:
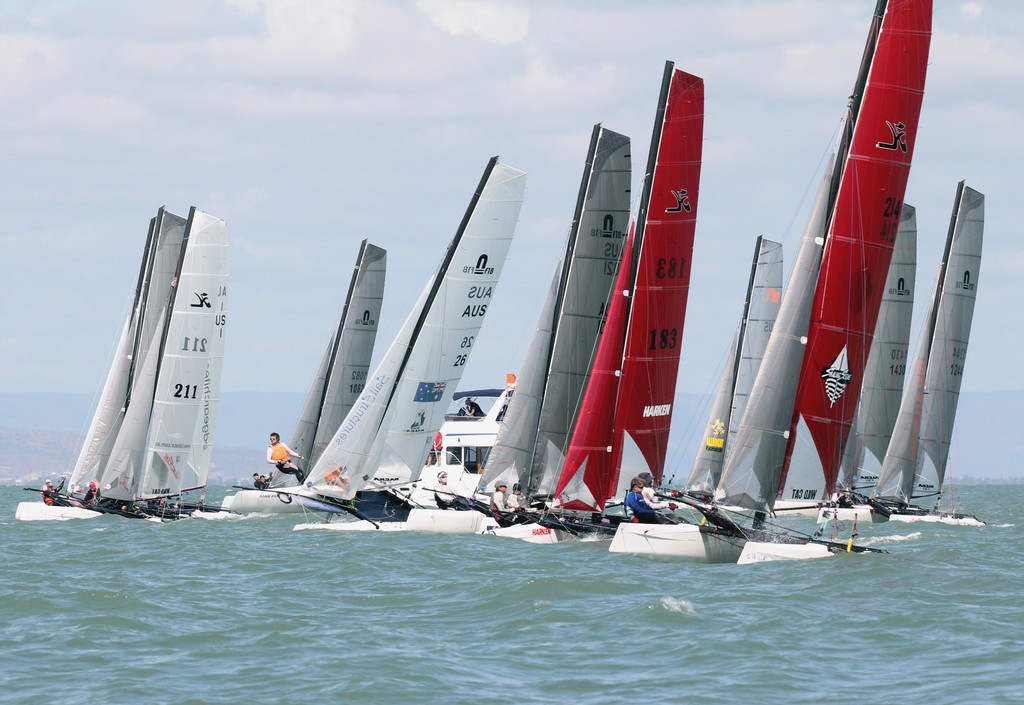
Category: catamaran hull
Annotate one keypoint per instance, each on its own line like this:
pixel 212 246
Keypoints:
pixel 264 502
pixel 531 533
pixel 760 551
pixel 941 518
pixel 37 511
pixel 795 508
pixel 685 542
pixel 357 525
pixel 858 512
pixel 445 521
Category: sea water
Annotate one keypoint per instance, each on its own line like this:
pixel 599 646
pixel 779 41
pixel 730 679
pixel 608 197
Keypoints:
pixel 244 610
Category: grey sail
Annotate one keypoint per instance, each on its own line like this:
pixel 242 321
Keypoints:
pixel 751 475
pixel 885 370
pixel 141 331
pixel 513 450
pixel 343 371
pixel 915 461
pixel 536 443
pixel 764 292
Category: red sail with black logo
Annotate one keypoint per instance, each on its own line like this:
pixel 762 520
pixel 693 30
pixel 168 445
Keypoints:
pixel 660 274
pixel 859 241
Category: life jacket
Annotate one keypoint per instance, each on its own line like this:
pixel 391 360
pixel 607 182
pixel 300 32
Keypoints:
pixel 47 496
pixel 278 452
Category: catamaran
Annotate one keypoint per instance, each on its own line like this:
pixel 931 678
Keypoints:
pixel 338 382
pixel 806 391
pixel 914 466
pixel 378 451
pixel 151 437
pixel 530 422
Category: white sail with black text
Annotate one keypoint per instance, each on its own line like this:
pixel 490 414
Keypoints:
pixel 915 462
pixel 384 438
pixel 152 435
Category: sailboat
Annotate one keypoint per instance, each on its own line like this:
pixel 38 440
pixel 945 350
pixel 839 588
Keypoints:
pixel 915 462
pixel 378 451
pixel 883 384
pixel 532 418
pixel 807 387
pixel 151 437
pixel 761 308
pixel 623 425
pixel 339 380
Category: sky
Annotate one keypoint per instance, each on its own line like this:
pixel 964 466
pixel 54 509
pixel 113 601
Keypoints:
pixel 312 124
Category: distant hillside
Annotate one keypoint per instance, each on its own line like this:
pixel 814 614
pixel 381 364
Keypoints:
pixel 40 434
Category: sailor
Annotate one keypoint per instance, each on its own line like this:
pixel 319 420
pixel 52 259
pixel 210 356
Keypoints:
pixel 92 493
pixel 516 501
pixel 47 492
pixel 498 498
pixel 649 494
pixel 278 455
pixel 642 512
pixel 472 408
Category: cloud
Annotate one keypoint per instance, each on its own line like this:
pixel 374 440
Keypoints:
pixel 501 23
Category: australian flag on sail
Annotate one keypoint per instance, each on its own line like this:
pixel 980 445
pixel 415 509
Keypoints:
pixel 430 391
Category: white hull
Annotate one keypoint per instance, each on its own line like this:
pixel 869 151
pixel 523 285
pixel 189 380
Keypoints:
pixel 262 502
pixel 358 525
pixel 531 533
pixel 37 511
pixel 445 521
pixel 941 518
pixel 684 542
pixel 789 507
pixel 759 552
pixel 859 512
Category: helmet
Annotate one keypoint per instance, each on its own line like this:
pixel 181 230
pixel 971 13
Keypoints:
pixel 93 484
pixel 517 486
pixel 47 483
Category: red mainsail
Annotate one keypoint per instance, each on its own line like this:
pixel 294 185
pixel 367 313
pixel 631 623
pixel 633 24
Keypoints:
pixel 861 234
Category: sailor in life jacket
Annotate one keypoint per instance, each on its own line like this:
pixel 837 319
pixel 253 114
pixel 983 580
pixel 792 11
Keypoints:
pixel 280 455
pixel 635 502
pixel 92 493
pixel 47 492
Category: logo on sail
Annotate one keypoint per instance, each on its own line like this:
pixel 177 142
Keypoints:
pixel 204 300
pixel 837 376
pixel 966 284
pixel 682 201
pixel 480 268
pixel 901 288
pixel 607 229
pixel 716 441
pixel 429 391
pixel 365 319
pixel 899 137
pixel 657 410
pixel 417 425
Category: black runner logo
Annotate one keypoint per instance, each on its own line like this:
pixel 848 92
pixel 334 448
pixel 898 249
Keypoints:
pixel 204 300
pixel 682 201
pixel 899 137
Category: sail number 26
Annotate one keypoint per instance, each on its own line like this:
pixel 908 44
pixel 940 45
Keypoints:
pixel 891 224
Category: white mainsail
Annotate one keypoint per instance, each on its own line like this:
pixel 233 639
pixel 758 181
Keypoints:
pixel 187 393
pixel 389 430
